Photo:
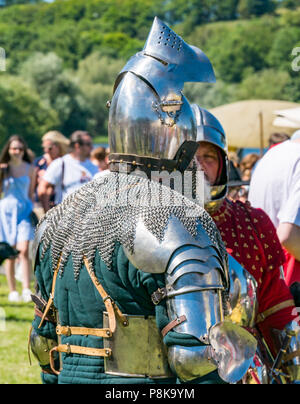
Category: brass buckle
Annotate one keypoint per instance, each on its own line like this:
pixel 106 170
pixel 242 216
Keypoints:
pixel 60 330
pixel 158 296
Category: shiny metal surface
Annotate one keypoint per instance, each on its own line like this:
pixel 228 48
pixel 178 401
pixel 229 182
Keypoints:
pixel 137 349
pixel 194 282
pixel 233 348
pixel 149 115
pixel 152 255
pixel 41 347
pixel 167 62
pixel 191 362
pixel 293 365
pixel 201 308
pixel 242 295
pixel 210 130
pixel 190 252
pixel 257 373
pixel 138 125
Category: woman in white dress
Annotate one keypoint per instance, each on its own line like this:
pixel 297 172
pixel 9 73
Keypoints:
pixel 16 227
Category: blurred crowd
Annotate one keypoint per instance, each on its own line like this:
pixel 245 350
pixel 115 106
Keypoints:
pixel 241 169
pixel 30 185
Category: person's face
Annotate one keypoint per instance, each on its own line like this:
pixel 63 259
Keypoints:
pixel 16 150
pixel 86 146
pixel 51 148
pixel 208 158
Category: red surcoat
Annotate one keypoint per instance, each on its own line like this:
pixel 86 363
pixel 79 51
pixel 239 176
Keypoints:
pixel 251 239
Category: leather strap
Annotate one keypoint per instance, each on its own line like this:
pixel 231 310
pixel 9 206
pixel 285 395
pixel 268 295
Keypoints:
pixel 80 350
pixel 39 313
pixel 51 298
pixel 110 305
pixel 172 325
pixel 262 316
pixel 159 295
pixel 111 308
pixel 96 332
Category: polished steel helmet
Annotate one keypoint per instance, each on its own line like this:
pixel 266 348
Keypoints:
pixel 151 123
pixel 210 130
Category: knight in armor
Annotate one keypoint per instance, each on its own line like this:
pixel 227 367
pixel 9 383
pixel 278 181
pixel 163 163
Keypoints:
pixel 251 239
pixel 133 280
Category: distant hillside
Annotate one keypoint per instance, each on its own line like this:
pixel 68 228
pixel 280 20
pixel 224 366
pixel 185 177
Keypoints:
pixel 63 57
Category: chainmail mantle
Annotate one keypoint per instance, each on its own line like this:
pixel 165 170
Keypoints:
pixel 105 212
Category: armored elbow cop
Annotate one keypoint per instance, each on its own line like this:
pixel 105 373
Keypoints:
pixel 196 293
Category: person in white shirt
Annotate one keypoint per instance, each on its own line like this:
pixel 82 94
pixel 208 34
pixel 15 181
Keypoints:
pixel 69 172
pixel 275 188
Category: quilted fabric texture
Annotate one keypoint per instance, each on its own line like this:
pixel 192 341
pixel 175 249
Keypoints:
pixel 80 305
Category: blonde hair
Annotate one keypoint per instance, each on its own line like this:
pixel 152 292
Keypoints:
pixel 59 139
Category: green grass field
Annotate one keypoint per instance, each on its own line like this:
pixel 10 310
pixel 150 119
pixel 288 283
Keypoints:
pixel 100 140
pixel 15 323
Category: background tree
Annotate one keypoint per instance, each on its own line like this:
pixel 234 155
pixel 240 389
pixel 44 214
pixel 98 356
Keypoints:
pixel 23 112
pixel 291 4
pixel 95 78
pixel 4 3
pixel 248 44
pixel 248 8
pixel 44 72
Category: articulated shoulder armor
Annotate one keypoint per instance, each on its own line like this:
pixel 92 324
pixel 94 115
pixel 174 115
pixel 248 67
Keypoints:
pixel 196 291
pixel 152 129
pixel 160 231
